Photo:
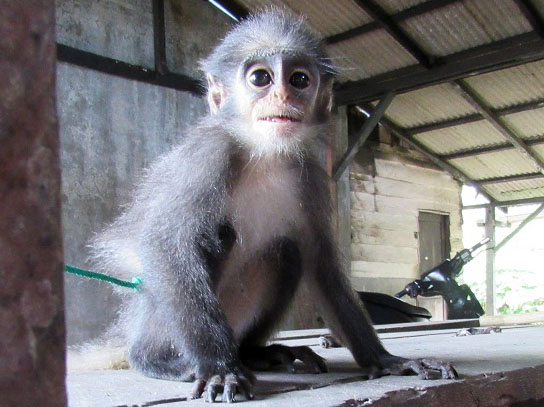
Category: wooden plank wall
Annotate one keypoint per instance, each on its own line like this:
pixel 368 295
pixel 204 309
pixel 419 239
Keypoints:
pixel 389 186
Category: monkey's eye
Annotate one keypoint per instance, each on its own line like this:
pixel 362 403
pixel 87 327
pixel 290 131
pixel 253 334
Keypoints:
pixel 299 80
pixel 260 78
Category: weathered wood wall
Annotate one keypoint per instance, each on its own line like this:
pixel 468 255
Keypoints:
pixel 389 186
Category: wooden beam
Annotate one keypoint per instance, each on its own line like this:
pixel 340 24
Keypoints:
pixel 522 107
pixel 403 15
pixel 159 37
pixel 532 15
pixel 485 150
pixel 388 24
pixel 505 204
pixel 497 55
pixel 128 71
pixel 519 228
pixel 510 178
pixel 490 261
pixel 363 134
pixel 478 103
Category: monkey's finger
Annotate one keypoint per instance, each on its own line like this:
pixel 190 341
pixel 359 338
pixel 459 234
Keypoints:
pixel 245 386
pixel 197 389
pixel 313 362
pixel 447 370
pixel 231 386
pixel 215 387
pixel 416 367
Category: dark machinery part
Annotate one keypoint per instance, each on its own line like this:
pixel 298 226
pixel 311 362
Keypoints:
pixel 440 280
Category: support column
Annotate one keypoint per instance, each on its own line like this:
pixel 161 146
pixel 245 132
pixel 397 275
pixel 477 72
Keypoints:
pixel 343 197
pixel 490 260
pixel 32 345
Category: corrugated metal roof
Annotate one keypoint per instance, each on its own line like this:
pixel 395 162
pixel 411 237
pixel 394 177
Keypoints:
pixel 525 189
pixel 512 86
pixel 495 164
pixel 376 53
pixel 461 138
pixel 327 18
pixel 529 124
pixel 465 25
pixel 428 105
pixel 394 6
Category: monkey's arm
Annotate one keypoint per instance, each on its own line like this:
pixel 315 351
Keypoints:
pixel 344 312
pixel 350 322
pixel 185 196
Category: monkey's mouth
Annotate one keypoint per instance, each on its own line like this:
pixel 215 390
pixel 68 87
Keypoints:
pixel 280 119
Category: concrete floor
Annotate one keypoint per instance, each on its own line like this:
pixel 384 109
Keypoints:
pixel 502 369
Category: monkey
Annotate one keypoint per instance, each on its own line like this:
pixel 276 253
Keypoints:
pixel 225 226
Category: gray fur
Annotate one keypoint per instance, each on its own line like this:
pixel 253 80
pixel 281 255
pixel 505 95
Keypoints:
pixel 212 218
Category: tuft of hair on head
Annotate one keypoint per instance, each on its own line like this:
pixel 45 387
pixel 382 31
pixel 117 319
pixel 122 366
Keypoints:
pixel 273 30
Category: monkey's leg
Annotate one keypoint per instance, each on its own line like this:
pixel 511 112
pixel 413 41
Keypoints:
pixel 351 323
pixel 284 258
pixel 185 329
pixel 268 357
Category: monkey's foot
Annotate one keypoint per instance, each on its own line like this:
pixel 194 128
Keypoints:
pixel 268 357
pixel 398 366
pixel 229 386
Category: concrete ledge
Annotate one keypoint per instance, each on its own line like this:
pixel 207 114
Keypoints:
pixel 500 370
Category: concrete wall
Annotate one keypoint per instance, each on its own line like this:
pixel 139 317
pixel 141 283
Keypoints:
pixel 389 186
pixel 112 128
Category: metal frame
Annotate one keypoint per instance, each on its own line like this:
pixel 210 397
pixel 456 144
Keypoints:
pixel 479 104
pixel 369 125
pixel 417 10
pixel 502 54
pixel 388 24
pixel 160 76
pixel 522 107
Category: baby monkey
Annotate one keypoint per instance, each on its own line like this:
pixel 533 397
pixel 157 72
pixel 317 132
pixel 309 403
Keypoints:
pixel 225 226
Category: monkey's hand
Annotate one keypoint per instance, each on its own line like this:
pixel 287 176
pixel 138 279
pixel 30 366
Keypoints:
pixel 398 366
pixel 268 357
pixel 229 386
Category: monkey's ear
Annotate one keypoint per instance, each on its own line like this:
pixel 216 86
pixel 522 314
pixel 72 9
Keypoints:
pixel 325 102
pixel 216 93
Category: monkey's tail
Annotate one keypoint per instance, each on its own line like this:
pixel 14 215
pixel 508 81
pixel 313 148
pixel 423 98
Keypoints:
pixel 98 355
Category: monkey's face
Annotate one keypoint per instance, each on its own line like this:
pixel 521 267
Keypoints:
pixel 275 97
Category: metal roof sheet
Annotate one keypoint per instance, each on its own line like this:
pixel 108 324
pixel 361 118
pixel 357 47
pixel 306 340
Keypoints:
pixel 428 105
pixel 529 124
pixel 461 138
pixel 494 164
pixel 507 87
pixel 326 17
pixel 525 189
pixel 466 24
pixel 375 52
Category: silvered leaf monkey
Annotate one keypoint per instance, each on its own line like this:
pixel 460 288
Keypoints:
pixel 225 226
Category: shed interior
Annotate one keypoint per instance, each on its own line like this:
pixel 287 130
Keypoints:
pixel 457 87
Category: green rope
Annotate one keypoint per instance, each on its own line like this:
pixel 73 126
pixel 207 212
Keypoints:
pixel 135 284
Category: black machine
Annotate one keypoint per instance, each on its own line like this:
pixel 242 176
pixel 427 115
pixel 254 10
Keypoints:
pixel 440 280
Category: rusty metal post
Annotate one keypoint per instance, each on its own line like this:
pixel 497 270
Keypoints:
pixel 32 345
